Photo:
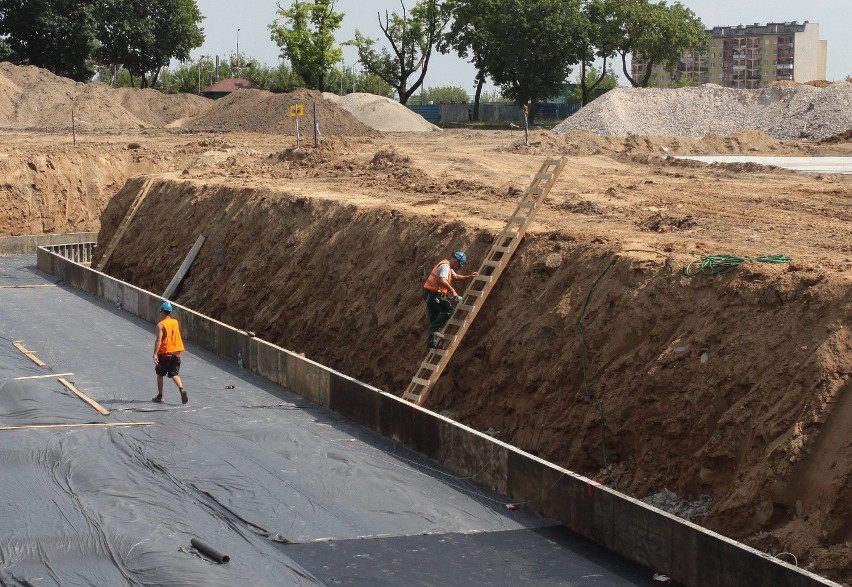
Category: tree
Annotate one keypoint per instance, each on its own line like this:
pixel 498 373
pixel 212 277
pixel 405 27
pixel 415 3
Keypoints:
pixel 656 34
pixel 184 78
pixel 600 40
pixel 306 39
pixel 532 45
pixel 468 37
pixel 145 36
pixel 58 35
pixel 411 37
pixel 347 80
pixel 445 94
pixel 597 84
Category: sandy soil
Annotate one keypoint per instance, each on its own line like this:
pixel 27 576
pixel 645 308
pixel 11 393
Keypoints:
pixel 734 386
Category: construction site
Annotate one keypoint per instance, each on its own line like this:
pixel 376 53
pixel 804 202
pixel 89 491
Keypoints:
pixel 655 347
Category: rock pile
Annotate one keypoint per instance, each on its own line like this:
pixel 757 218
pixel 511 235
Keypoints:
pixel 669 501
pixel 784 112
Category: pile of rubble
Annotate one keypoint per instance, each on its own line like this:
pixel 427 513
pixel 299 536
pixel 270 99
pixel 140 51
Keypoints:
pixel 782 111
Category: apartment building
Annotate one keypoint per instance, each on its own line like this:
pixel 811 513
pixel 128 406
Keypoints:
pixel 748 57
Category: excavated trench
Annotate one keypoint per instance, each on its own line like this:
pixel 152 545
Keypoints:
pixel 611 363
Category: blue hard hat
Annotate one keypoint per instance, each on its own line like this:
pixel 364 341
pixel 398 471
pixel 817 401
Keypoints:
pixel 461 258
pixel 166 307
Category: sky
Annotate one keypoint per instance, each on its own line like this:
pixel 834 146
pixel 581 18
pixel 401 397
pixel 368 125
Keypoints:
pixel 227 23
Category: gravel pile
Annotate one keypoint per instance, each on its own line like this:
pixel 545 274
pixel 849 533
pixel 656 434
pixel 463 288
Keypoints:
pixel 783 112
pixel 668 501
pixel 381 113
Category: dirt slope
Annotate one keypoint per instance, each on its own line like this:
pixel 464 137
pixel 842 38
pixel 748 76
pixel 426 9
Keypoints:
pixel 736 386
pixel 31 97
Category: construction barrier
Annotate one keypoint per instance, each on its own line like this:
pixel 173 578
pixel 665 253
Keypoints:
pixel 27 245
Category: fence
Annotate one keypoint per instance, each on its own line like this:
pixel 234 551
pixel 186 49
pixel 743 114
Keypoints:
pixel 491 112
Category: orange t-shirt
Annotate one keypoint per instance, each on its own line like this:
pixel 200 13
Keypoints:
pixel 171 342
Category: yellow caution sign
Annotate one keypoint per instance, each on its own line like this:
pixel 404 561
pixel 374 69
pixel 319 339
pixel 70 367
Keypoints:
pixel 297 110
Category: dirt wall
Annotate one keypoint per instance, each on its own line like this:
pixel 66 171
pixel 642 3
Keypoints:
pixel 736 386
pixel 58 190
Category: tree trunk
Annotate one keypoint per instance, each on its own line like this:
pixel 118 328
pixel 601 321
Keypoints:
pixel 624 69
pixel 480 82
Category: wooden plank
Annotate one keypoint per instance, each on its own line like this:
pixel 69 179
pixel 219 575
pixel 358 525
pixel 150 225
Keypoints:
pixel 82 425
pixel 184 267
pixel 51 376
pixel 125 223
pixel 27 286
pixel 29 354
pixel 102 410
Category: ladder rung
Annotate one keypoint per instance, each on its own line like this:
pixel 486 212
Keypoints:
pixel 546 175
pixel 489 263
pixel 553 162
pixel 428 365
pixel 526 204
pixel 465 307
pixel 508 234
pixel 518 219
pixel 418 381
pixel 499 250
pixel 485 278
pixel 459 323
pixel 411 397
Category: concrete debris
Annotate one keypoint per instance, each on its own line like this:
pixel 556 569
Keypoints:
pixel 783 112
pixel 668 501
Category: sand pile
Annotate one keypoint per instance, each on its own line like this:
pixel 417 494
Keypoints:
pixel 783 112
pixel 381 113
pixel 31 97
pixel 264 112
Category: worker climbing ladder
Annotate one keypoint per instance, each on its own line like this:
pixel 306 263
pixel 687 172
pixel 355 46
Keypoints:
pixel 480 286
pixel 122 228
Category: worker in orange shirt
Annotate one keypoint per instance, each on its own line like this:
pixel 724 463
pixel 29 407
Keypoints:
pixel 167 351
pixel 439 294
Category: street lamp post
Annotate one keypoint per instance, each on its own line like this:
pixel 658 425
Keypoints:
pixel 200 59
pixel 239 63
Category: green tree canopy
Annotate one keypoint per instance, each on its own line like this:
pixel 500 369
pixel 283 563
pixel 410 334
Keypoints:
pixel 58 35
pixel 145 36
pixel 185 77
pixel 445 94
pixel 305 34
pixel 348 80
pixel 468 36
pixel 412 38
pixel 597 84
pixel 531 47
pixel 656 34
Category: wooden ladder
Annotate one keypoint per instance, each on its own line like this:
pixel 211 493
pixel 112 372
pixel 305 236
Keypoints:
pixel 480 286
pixel 122 228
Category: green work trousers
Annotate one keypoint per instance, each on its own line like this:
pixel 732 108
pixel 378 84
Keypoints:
pixel 439 309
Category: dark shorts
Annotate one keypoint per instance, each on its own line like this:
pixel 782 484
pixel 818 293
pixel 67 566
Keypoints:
pixel 169 365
